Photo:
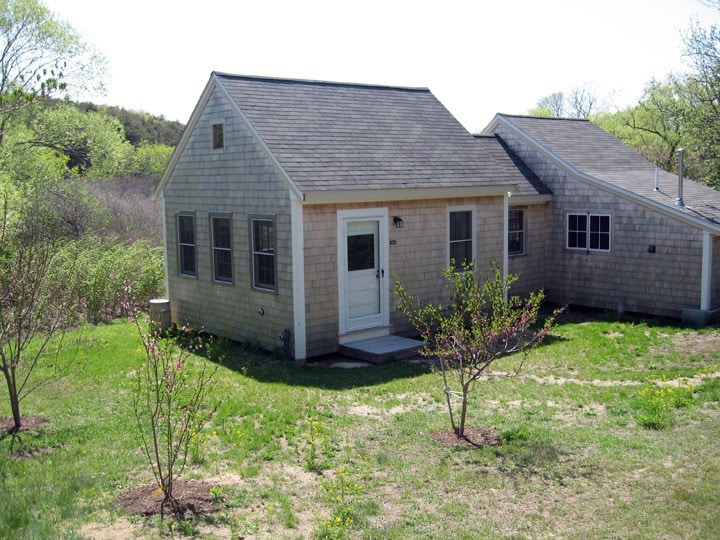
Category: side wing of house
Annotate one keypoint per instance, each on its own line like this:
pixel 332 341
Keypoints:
pixel 611 249
pixel 227 215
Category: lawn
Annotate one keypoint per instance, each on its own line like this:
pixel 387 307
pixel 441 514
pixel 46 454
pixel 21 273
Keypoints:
pixel 612 430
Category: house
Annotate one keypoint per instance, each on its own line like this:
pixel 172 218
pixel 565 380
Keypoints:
pixel 289 206
pixel 620 234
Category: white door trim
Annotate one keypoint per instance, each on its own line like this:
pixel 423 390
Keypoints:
pixel 363 214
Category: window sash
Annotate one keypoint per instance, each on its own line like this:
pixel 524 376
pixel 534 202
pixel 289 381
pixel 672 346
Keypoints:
pixel 591 232
pixel 263 254
pixel 186 245
pixel 222 248
pixel 516 232
pixel 460 234
pixel 218 136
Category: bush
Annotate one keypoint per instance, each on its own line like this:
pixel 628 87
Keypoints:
pixel 100 271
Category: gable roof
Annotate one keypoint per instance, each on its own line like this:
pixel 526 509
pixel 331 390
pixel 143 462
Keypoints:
pixel 338 137
pixel 590 151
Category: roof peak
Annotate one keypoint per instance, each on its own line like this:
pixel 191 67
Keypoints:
pixel 312 82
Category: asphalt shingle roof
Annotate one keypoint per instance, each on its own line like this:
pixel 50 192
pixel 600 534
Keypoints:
pixel 592 151
pixel 335 136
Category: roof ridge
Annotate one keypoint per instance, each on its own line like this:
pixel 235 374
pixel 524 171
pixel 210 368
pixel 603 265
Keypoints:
pixel 529 116
pixel 314 82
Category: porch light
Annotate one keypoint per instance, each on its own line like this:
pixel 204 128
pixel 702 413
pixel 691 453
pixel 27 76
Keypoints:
pixel 399 223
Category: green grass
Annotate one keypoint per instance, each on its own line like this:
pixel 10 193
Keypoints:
pixel 600 436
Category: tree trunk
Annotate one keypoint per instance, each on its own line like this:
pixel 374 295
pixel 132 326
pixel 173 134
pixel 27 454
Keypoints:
pixel 463 411
pixel 14 399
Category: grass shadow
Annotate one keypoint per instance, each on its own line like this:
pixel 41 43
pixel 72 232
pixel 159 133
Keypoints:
pixel 268 368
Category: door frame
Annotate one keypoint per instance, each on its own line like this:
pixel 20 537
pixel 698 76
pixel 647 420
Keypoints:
pixel 371 323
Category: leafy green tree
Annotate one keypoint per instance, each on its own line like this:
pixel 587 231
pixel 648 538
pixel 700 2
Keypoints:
pixel 481 325
pixel 93 143
pixel 39 57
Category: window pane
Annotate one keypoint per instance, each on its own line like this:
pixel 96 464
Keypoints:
pixel 221 232
pixel 263 235
pixel 223 264
pixel 460 225
pixel 186 229
pixel 361 252
pixel 187 260
pixel 515 243
pixel 218 137
pixel 461 252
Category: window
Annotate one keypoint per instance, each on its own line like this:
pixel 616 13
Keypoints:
pixel 218 136
pixel 222 248
pixel 588 231
pixel 460 237
pixel 186 245
pixel 263 253
pixel 516 232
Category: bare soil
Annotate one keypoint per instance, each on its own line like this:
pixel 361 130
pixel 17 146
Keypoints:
pixel 192 496
pixel 473 437
pixel 27 423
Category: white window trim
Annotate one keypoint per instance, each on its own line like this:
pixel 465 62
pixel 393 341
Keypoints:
pixel 213 247
pixel 521 230
pixel 464 208
pixel 587 232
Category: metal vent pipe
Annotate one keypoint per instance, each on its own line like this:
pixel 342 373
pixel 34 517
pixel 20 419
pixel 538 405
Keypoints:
pixel 679 200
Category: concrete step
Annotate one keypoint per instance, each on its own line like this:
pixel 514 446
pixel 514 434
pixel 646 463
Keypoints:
pixel 381 349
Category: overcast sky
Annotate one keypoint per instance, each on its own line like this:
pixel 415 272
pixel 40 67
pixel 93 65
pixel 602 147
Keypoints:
pixel 478 57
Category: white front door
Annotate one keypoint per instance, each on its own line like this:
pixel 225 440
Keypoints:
pixel 363 274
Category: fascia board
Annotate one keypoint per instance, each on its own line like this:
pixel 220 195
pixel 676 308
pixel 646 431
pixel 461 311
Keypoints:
pixel 607 186
pixel 405 194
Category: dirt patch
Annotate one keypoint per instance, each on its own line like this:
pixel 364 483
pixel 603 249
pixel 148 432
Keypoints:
pixel 706 343
pixel 192 496
pixel 27 423
pixel 474 437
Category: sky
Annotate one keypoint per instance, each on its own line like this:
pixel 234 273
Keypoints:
pixel 478 57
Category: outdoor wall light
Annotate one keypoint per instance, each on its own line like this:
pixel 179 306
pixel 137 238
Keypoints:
pixel 399 223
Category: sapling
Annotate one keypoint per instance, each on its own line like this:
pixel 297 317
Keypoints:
pixel 170 402
pixel 481 324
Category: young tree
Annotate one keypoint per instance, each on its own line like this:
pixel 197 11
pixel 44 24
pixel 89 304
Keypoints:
pixel 35 307
pixel 480 326
pixel 170 403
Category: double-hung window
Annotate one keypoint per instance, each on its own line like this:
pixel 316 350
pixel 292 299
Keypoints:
pixel 263 253
pixel 460 237
pixel 186 244
pixel 516 232
pixel 222 248
pixel 588 231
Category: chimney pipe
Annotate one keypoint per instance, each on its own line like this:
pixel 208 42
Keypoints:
pixel 657 173
pixel 679 200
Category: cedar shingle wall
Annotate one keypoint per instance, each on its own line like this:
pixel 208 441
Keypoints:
pixel 660 283
pixel 418 258
pixel 531 267
pixel 242 181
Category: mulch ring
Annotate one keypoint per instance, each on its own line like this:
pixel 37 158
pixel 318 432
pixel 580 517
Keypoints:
pixel 27 423
pixel 191 495
pixel 473 437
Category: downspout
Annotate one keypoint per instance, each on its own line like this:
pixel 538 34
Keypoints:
pixel 298 276
pixel 506 259
pixel 706 274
